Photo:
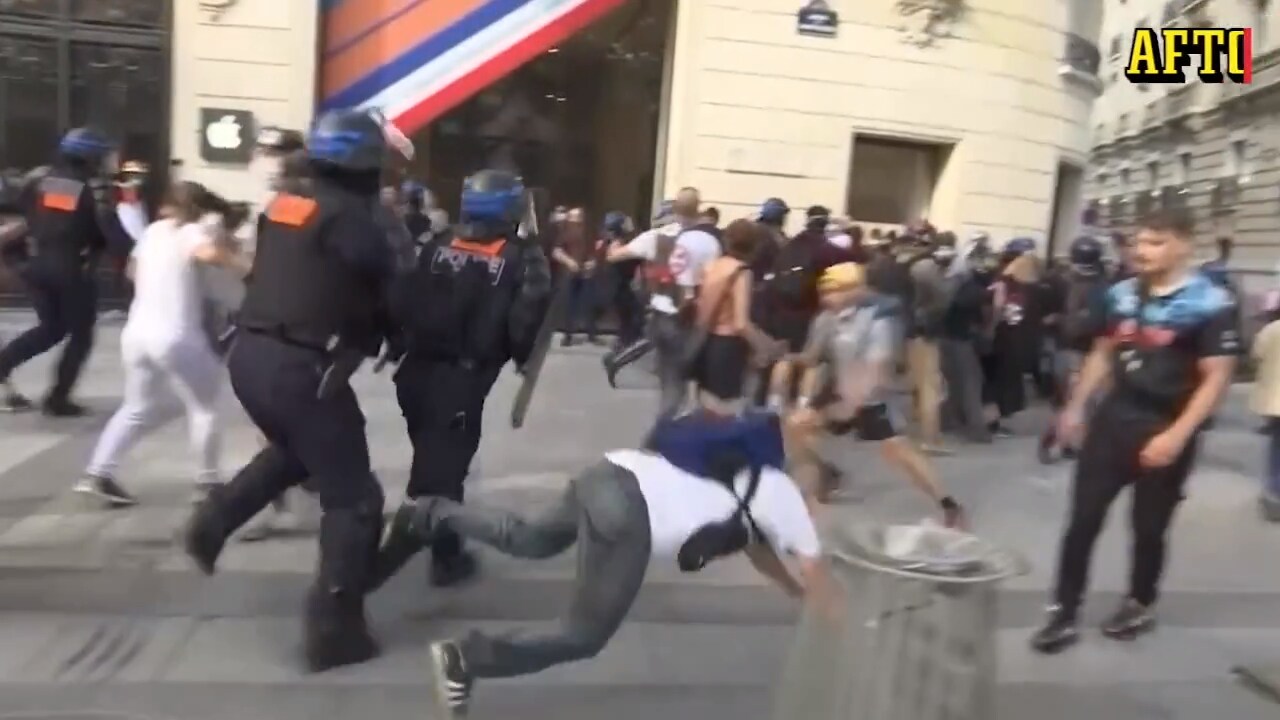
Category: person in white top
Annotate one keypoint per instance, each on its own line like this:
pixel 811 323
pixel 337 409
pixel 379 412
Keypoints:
pixel 676 255
pixel 164 344
pixel 632 507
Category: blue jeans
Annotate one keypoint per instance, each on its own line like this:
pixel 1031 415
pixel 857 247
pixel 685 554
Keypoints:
pixel 1272 483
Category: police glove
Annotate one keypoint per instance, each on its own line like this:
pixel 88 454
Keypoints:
pixel 343 363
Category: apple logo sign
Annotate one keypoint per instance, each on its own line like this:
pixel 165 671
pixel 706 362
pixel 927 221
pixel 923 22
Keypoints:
pixel 225 135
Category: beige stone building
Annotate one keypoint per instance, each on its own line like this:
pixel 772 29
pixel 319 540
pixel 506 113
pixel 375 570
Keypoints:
pixel 973 114
pixel 253 56
pixel 969 113
pixel 1211 149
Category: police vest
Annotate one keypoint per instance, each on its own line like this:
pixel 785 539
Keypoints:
pixel 461 295
pixel 301 290
pixel 63 228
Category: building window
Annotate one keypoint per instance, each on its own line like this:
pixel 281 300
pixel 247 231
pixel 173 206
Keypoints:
pixel 136 13
pixel 1082 55
pixel 1153 174
pixel 892 181
pixel 31 8
pixel 1182 175
pixel 28 89
pixel 1114 48
pixel 1236 162
pixel 66 63
pixel 1124 179
pixel 118 90
pixel 78 62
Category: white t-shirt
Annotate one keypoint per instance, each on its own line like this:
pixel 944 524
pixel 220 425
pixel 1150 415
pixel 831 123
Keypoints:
pixel 680 503
pixel 167 300
pixel 133 218
pixel 841 240
pixel 693 251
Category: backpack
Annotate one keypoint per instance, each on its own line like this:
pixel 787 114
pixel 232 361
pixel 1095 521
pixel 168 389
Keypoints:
pixel 795 274
pixel 659 278
pixel 718 451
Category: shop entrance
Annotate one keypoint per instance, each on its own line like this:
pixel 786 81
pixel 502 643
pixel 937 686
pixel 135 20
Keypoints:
pixel 581 120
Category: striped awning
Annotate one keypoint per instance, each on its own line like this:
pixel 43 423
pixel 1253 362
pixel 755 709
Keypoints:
pixel 416 59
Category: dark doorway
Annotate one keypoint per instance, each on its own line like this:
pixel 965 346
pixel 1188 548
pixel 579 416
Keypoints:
pixel 1068 208
pixel 581 120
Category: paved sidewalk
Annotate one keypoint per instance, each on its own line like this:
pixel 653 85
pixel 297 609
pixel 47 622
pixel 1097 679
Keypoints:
pixel 100 613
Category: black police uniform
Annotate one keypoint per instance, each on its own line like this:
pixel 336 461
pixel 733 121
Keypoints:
pixel 65 222
pixel 475 301
pixel 313 305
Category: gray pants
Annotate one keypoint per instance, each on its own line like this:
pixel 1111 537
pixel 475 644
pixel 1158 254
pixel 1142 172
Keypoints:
pixel 603 510
pixel 668 336
pixel 962 370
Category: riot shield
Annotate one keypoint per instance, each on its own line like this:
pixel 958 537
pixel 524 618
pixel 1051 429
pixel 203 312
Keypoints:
pixel 529 228
pixel 541 348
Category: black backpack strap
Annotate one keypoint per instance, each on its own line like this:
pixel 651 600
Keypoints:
pixel 744 505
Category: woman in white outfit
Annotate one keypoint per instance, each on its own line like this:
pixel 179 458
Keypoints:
pixel 164 344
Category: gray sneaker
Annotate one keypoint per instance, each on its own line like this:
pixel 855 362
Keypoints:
pixel 106 489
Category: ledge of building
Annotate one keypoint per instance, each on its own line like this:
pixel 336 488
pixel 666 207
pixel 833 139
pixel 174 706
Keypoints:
pixel 1089 81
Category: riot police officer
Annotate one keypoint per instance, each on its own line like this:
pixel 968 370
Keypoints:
pixel 474 301
pixel 313 310
pixel 64 221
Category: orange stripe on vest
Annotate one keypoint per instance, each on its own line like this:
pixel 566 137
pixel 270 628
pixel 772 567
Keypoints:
pixel 486 249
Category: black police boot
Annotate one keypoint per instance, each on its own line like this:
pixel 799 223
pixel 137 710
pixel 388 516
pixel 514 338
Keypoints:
pixel 401 542
pixel 337 632
pixel 60 407
pixel 206 531
pixel 229 506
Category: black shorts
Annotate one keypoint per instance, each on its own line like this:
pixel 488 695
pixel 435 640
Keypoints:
pixel 871 423
pixel 721 367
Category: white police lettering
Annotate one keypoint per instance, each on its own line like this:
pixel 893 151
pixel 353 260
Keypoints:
pixel 452 260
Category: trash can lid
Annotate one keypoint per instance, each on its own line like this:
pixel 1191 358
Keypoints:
pixel 925 551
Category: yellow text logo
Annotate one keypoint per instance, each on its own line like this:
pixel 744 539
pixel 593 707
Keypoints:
pixel 1163 55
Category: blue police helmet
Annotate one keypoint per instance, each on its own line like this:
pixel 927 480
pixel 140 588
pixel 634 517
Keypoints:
pixel 617 223
pixel 350 140
pixel 774 211
pixel 1020 245
pixel 85 144
pixel 493 196
pixel 1086 254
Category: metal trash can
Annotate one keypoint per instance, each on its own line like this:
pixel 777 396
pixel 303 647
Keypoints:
pixel 908 632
